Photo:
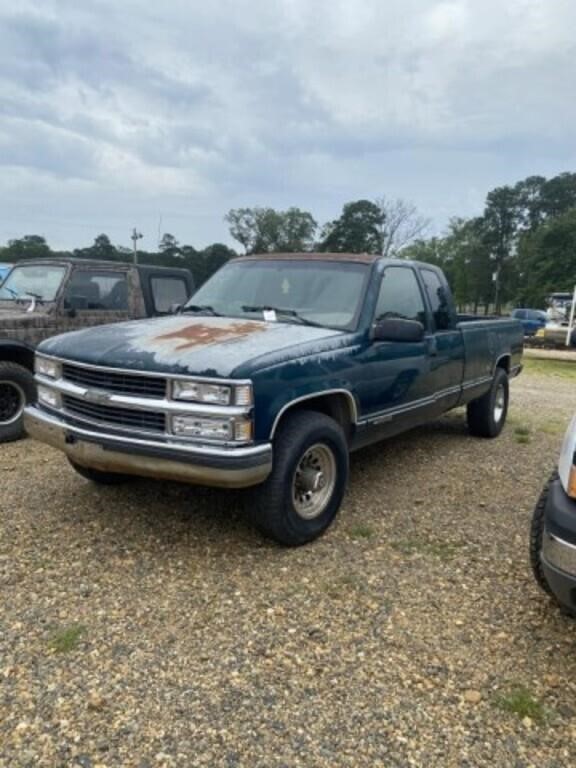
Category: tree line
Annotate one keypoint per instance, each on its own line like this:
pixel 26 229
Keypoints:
pixel 520 249
pixel 170 253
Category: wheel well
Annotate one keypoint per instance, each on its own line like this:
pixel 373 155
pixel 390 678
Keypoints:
pixel 15 353
pixel 504 363
pixel 337 405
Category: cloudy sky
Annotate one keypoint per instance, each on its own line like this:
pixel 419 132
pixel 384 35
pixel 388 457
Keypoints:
pixel 114 113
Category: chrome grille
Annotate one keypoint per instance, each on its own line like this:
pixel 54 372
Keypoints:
pixel 149 421
pixel 111 381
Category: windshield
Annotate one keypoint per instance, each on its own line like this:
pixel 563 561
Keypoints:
pixel 37 280
pixel 326 293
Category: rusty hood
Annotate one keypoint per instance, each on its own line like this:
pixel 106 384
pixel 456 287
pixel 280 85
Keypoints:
pixel 202 346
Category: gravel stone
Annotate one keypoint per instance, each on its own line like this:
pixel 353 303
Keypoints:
pixel 186 640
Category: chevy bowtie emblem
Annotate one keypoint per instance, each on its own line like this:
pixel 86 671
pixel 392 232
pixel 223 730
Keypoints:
pixel 97 396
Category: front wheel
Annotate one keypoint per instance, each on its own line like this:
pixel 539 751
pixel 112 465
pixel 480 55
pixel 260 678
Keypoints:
pixel 487 414
pixel 17 389
pixel 536 536
pixel 303 493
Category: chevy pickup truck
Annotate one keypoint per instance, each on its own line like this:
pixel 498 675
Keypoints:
pixel 269 376
pixel 40 298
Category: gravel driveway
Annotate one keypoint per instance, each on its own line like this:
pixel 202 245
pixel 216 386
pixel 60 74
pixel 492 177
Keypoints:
pixel 146 625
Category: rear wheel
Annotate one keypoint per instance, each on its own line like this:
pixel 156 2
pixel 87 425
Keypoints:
pixel 304 491
pixel 98 476
pixel 487 414
pixel 17 389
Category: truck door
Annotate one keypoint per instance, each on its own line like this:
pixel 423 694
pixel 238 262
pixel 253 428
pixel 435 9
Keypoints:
pixel 445 342
pixel 96 296
pixel 396 389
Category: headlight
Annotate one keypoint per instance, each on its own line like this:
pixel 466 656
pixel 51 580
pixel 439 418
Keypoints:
pixel 49 397
pixel 46 367
pixel 238 430
pixel 214 394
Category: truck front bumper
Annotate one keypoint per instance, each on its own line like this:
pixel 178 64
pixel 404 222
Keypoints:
pixel 202 465
pixel 559 545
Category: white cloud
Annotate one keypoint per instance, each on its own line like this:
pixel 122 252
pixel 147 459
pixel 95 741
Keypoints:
pixel 190 108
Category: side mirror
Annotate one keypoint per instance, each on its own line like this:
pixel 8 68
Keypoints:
pixel 397 329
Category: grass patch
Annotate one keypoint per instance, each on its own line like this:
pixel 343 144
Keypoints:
pixel 564 369
pixel 519 701
pixel 66 639
pixel 522 433
pixel 441 550
pixel 553 427
pixel 361 531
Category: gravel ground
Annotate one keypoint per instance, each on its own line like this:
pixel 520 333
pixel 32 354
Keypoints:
pixel 147 625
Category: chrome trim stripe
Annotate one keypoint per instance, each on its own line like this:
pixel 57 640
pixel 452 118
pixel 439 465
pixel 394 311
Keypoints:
pixel 559 553
pixel 477 382
pixel 137 372
pixel 142 403
pixel 389 413
pixel 186 449
pixel 346 392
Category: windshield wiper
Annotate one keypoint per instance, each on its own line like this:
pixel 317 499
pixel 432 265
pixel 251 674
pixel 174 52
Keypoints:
pixel 10 291
pixel 281 311
pixel 201 308
pixel 36 296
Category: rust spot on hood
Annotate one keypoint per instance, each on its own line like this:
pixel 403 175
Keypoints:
pixel 200 334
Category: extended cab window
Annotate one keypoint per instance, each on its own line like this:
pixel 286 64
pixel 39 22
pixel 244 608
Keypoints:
pixel 438 300
pixel 97 290
pixel 400 296
pixel 167 291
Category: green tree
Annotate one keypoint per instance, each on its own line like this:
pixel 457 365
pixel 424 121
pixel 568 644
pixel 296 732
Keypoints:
pixel 547 260
pixel 358 230
pixel 169 246
pixel 27 247
pixel 265 230
pixel 500 229
pixel 101 249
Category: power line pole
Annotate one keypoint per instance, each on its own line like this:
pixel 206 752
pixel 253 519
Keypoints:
pixel 135 237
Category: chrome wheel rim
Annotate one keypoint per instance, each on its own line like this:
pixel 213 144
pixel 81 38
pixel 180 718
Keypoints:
pixel 499 404
pixel 12 402
pixel 314 481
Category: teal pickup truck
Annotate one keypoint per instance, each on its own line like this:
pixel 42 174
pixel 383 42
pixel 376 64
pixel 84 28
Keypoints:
pixel 269 376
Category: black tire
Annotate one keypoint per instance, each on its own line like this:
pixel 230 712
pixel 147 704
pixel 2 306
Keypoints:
pixel 17 389
pixel 484 418
pixel 536 534
pixel 98 476
pixel 305 441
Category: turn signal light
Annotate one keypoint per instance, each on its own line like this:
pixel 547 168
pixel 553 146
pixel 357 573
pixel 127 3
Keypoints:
pixel 572 483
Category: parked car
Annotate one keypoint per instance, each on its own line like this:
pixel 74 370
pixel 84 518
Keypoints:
pixel 532 319
pixel 4 269
pixel 275 370
pixel 41 298
pixel 553 529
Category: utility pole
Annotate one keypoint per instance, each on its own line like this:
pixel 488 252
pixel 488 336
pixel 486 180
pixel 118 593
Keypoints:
pixel 135 237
